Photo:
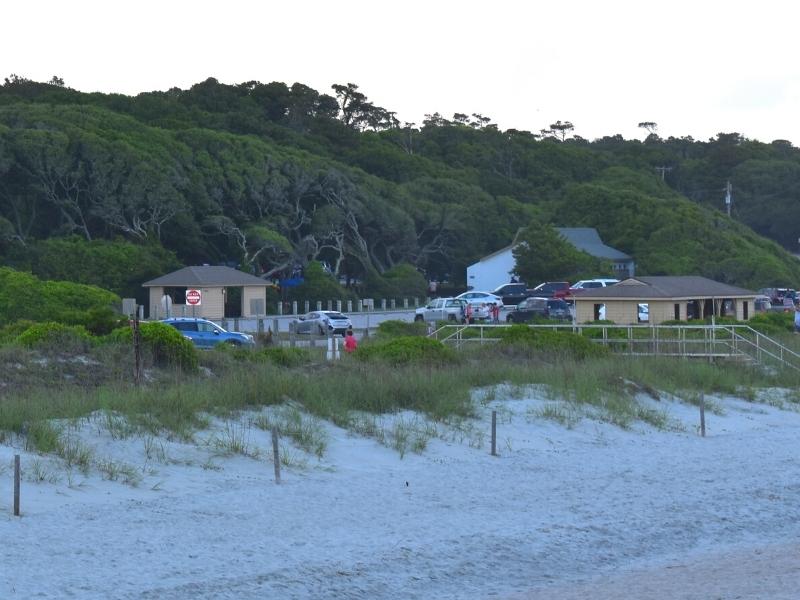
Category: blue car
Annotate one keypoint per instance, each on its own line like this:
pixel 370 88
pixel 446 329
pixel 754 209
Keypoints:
pixel 205 334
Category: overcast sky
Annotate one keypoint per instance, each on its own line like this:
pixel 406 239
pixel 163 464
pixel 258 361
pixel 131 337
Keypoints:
pixel 694 67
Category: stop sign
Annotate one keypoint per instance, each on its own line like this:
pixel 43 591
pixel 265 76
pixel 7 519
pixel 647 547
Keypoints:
pixel 193 297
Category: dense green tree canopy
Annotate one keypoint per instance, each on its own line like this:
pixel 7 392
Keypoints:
pixel 272 177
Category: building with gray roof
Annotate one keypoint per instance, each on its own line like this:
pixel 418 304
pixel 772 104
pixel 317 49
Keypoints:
pixel 588 240
pixel 223 292
pixel 495 269
pixel 656 299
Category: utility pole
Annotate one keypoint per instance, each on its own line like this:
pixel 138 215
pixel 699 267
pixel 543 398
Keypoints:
pixel 728 197
pixel 663 171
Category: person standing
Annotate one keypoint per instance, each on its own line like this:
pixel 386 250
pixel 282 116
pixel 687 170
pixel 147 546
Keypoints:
pixel 350 342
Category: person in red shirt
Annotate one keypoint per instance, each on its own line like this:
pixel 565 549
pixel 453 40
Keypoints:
pixel 350 342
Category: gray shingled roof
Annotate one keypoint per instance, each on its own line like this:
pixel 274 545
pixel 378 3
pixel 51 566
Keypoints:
pixel 204 276
pixel 685 286
pixel 588 240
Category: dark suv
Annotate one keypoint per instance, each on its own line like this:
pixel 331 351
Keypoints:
pixel 512 293
pixel 528 309
pixel 558 309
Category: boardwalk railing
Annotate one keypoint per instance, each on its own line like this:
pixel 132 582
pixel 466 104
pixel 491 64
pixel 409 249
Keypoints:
pixel 709 341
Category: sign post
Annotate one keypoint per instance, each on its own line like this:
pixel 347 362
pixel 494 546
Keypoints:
pixel 194 298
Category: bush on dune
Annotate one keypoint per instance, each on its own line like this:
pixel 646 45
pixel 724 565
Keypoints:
pixel 55 336
pixel 544 341
pixel 167 345
pixel 406 350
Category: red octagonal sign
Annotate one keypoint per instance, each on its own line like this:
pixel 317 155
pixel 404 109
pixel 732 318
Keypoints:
pixel 193 297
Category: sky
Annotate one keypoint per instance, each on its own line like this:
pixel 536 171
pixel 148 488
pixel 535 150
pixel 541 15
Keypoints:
pixel 695 68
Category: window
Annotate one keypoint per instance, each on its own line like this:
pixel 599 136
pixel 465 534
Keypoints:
pixel 177 294
pixel 644 313
pixel 599 312
pixel 185 325
pixel 677 312
pixel 206 327
pixel 257 306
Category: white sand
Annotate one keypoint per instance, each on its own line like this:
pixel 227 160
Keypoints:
pixel 589 512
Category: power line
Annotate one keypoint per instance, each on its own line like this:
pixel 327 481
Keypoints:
pixel 663 171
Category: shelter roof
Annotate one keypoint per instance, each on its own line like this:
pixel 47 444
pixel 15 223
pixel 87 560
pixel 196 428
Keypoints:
pixel 588 240
pixel 671 286
pixel 207 276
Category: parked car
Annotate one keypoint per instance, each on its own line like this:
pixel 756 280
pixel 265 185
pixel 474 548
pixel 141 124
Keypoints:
pixel 528 309
pixel 585 284
pixel 762 304
pixel 557 308
pixel 322 322
pixel 512 293
pixel 778 295
pixel 551 289
pixel 442 309
pixel 480 298
pixel 206 334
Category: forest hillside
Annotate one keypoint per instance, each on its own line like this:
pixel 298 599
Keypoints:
pixel 110 190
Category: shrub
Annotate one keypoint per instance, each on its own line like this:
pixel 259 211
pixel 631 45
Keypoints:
pixel 595 333
pixel 167 344
pixel 51 335
pixel 405 350
pixel 541 340
pixel 284 357
pixel 117 265
pixel 101 320
pixel 392 329
pixel 10 332
pixel 23 296
pixel 772 322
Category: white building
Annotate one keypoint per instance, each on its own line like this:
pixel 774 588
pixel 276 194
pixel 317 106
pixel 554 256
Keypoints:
pixel 496 269
pixel 491 271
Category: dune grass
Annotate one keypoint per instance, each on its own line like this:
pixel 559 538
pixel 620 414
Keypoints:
pixel 178 406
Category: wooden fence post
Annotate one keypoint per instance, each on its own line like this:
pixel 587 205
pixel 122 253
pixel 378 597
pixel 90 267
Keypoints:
pixel 702 415
pixel 16 485
pixel 276 459
pixel 494 433
pixel 137 351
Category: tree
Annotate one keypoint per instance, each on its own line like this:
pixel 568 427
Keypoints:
pixel 359 113
pixel 544 255
pixel 561 130
pixel 650 126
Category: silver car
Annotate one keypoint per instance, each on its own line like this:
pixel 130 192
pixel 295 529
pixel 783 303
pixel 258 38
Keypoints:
pixel 322 322
pixel 442 309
